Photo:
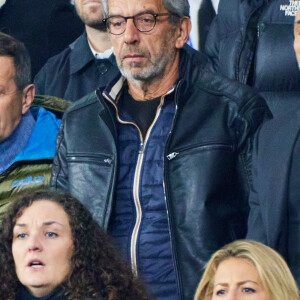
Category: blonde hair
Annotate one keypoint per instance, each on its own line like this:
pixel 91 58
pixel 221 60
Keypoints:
pixel 273 271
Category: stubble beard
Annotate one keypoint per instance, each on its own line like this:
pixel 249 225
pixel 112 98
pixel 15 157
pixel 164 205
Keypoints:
pixel 90 20
pixel 153 71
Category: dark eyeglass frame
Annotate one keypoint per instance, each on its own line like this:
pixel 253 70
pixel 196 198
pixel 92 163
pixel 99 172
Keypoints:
pixel 106 20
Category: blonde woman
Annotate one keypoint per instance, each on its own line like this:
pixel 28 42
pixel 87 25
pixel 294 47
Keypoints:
pixel 245 270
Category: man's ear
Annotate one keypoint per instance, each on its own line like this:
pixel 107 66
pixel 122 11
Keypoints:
pixel 184 31
pixel 28 94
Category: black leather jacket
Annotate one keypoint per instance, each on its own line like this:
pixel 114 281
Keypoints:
pixel 206 165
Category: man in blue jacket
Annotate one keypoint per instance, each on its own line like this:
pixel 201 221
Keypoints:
pixel 161 154
pixel 27 134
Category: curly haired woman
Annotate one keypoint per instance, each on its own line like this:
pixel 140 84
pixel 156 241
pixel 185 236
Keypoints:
pixel 51 248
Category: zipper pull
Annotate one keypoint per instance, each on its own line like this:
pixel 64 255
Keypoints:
pixel 172 155
pixel 108 161
pixel 141 150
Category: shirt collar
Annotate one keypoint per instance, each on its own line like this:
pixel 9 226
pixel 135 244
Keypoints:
pixel 101 55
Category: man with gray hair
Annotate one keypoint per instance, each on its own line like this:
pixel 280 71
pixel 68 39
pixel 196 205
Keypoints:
pixel 161 155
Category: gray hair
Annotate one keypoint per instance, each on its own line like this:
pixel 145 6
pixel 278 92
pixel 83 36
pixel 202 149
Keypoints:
pixel 180 8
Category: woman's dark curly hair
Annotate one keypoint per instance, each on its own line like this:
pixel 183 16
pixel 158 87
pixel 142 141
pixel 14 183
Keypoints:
pixel 97 270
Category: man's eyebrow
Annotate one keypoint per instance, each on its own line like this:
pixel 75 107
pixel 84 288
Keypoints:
pixel 150 11
pixel 147 11
pixel 297 21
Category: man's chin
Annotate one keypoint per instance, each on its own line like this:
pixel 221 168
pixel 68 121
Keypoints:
pixel 97 25
pixel 133 73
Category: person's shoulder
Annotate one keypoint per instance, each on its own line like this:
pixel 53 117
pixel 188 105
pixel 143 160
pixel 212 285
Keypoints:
pixel 194 68
pixel 59 60
pixel 83 113
pixel 222 86
pixel 57 64
pixel 83 103
pixel 244 103
pixel 191 61
pixel 51 103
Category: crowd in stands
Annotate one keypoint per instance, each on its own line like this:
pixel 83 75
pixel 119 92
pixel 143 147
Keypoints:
pixel 133 165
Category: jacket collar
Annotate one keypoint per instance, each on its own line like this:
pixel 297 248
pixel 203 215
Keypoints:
pixel 81 54
pixel 113 89
pixel 41 143
pixel 191 62
pixel 247 8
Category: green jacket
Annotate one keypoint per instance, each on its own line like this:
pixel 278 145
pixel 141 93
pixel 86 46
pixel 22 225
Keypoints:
pixel 31 168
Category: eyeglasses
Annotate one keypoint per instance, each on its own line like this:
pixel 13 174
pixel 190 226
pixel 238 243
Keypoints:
pixel 144 22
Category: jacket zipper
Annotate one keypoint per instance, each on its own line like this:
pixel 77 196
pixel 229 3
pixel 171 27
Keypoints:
pixel 203 147
pixel 243 44
pixel 170 220
pixel 136 184
pixel 106 159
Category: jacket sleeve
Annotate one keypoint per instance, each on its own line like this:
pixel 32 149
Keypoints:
pixel 59 175
pixel 256 227
pixel 249 120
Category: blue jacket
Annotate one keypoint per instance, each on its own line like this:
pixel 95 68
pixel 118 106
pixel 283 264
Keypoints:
pixel 42 141
pixel 140 169
pixel 32 166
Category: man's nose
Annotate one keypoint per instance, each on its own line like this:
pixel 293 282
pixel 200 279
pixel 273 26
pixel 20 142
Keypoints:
pixel 131 34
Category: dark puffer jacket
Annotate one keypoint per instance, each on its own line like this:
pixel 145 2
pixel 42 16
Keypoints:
pixel 275 207
pixel 206 162
pixel 252 42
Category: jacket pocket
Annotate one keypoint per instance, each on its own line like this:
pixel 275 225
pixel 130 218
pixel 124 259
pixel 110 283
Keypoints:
pixel 90 179
pixel 90 158
pixel 201 147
